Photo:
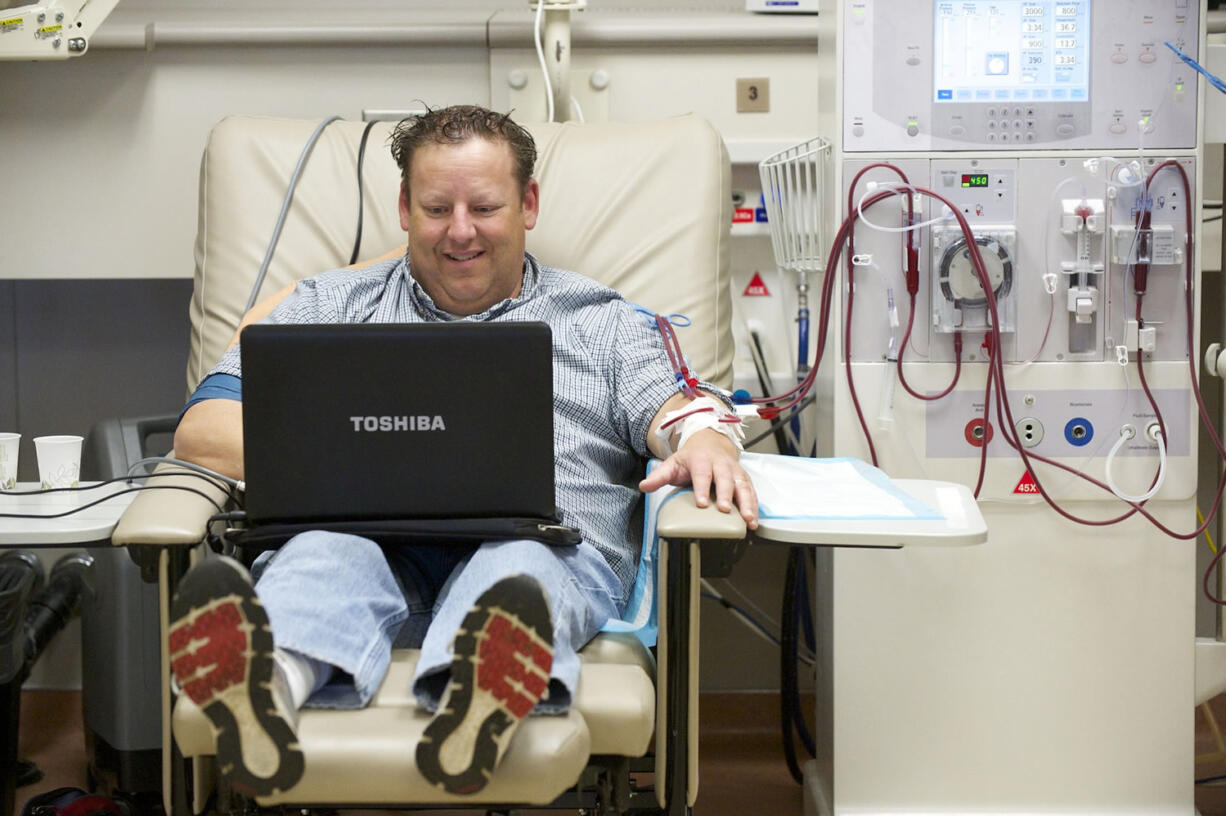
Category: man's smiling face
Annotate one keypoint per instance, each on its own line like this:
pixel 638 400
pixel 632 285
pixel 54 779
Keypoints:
pixel 466 217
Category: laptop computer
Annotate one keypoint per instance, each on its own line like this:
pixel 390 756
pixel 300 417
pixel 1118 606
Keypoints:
pixel 442 426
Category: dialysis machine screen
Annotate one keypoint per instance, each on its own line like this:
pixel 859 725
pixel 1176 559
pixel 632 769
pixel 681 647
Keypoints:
pixel 1015 50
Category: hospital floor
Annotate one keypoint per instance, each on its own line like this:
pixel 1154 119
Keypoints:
pixel 742 770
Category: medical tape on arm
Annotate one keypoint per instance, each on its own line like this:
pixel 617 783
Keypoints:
pixel 698 415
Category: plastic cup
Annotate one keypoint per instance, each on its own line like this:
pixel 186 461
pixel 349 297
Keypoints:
pixel 59 460
pixel 10 443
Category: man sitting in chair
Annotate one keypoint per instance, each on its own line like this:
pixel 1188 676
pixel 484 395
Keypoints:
pixel 326 608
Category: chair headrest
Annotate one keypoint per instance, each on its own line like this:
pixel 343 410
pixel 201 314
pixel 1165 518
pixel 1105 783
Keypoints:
pixel 641 207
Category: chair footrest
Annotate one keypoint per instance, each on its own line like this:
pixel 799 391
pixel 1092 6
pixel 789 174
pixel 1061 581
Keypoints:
pixel 367 756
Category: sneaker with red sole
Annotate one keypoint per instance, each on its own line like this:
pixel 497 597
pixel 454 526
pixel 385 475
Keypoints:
pixel 221 653
pixel 499 672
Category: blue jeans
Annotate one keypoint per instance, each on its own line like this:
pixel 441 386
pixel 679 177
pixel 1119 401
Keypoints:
pixel 346 601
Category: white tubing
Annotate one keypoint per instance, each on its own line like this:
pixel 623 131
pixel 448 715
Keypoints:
pixel 540 55
pixel 910 228
pixel 1127 433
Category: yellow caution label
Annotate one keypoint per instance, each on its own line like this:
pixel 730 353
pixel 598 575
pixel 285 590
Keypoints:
pixel 48 31
pixel 11 24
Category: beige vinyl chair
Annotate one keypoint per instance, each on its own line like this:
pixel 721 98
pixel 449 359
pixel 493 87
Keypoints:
pixel 641 207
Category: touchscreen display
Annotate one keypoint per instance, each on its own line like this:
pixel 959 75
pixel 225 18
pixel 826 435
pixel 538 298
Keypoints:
pixel 1011 50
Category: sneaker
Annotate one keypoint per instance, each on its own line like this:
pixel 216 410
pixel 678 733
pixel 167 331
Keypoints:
pixel 221 653
pixel 500 671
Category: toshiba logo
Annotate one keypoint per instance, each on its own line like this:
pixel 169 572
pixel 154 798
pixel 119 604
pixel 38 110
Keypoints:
pixel 420 422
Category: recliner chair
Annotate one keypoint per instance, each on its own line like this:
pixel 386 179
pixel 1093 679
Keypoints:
pixel 643 208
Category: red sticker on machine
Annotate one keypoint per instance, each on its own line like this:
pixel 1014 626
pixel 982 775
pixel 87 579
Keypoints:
pixel 1026 485
pixel 756 287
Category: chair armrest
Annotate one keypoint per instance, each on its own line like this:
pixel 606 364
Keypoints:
pixel 170 517
pixel 682 526
pixel 681 518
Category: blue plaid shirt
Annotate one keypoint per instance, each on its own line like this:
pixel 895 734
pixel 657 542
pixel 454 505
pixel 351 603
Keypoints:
pixel 610 371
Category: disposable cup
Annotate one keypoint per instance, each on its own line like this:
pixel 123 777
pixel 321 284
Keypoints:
pixel 59 460
pixel 10 443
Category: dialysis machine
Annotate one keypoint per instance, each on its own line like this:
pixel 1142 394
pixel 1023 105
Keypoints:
pixel 1048 151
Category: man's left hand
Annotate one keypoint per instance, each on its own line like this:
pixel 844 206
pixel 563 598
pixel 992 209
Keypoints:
pixel 707 459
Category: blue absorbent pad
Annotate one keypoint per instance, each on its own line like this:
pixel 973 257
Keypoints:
pixel 788 487
pixel 796 487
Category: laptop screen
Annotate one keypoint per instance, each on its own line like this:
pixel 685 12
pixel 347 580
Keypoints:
pixel 397 421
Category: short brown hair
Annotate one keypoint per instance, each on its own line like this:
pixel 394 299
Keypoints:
pixel 456 125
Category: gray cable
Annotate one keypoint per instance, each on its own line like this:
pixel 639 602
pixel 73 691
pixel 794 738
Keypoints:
pixel 157 460
pixel 289 197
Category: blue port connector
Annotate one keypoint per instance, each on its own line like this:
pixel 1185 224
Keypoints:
pixel 1079 431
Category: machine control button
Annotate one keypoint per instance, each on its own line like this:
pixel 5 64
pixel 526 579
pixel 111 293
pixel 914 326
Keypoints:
pixel 1118 127
pixel 1017 111
pixel 1004 124
pixel 1119 58
pixel 1017 136
pixel 1017 124
pixel 913 60
pixel 991 113
pixel 991 124
pixel 991 137
pixel 1147 57
pixel 1031 136
pixel 857 130
pixel 912 130
pixel 1065 129
pixel 957 130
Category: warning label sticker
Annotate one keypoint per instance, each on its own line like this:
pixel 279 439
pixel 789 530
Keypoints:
pixel 1026 485
pixel 756 287
pixel 11 24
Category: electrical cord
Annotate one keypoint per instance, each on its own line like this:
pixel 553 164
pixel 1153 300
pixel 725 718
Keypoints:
pixel 759 363
pixel 192 466
pixel 285 204
pixel 802 618
pixel 113 480
pixel 109 496
pixel 789 694
pixel 357 241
